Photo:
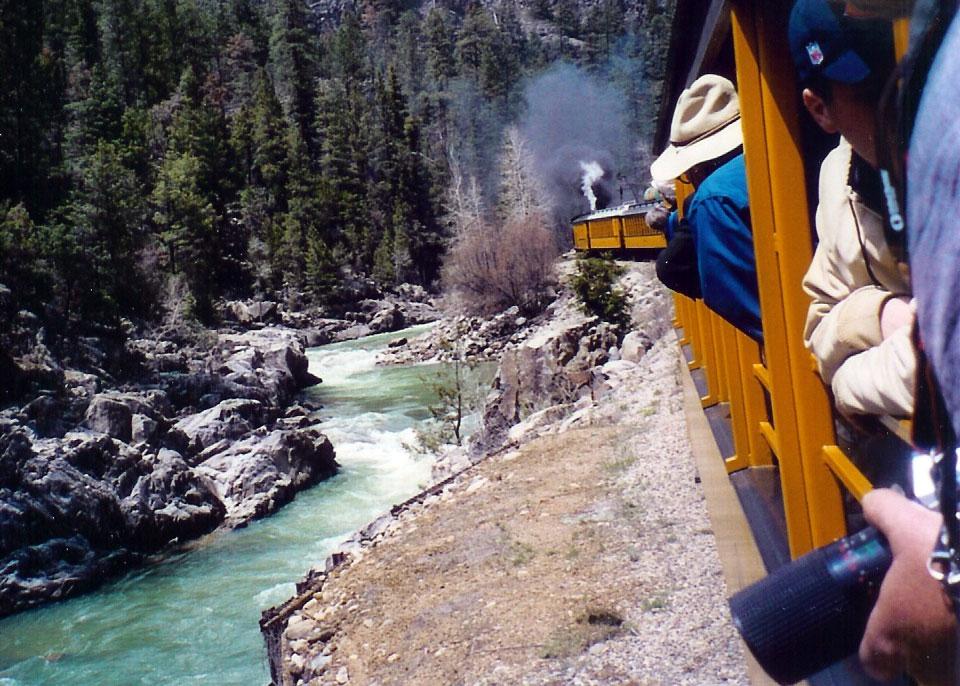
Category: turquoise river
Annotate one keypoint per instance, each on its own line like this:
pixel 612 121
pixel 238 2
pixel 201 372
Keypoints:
pixel 191 617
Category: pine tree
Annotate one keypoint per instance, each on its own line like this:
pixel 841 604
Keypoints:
pixel 95 114
pixel 185 220
pixel 200 129
pixel 322 269
pixel 400 258
pixel 473 41
pixel 268 141
pixel 386 142
pixel 259 141
pixel 441 65
pixel 238 72
pixel 82 40
pixel 347 53
pixel 107 215
pixel 292 65
pixel 490 54
pixel 22 266
pixel 416 225
pixel 341 123
pixel 27 107
pixel 566 16
pixel 304 217
pixel 409 60
pixel 125 50
pixel 603 26
pixel 383 269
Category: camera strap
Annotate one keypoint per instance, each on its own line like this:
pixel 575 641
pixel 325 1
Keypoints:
pixel 933 432
pixel 898 109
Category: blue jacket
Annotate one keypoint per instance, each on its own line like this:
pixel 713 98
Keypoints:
pixel 719 216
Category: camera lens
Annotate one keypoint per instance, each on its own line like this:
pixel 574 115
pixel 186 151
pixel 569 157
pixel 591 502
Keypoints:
pixel 812 613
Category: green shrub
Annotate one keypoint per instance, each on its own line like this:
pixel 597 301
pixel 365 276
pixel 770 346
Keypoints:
pixel 594 285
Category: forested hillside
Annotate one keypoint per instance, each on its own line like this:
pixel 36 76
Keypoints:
pixel 157 155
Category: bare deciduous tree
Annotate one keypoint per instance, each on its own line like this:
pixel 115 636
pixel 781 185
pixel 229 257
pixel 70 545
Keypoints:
pixel 491 269
pixel 521 193
pixel 464 203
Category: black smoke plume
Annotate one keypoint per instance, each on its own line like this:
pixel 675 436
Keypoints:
pixel 571 118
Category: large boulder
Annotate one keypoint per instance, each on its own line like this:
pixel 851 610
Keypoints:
pixel 109 416
pixel 65 488
pixel 54 569
pixel 253 312
pixel 255 476
pixel 390 318
pixel 15 450
pixel 230 419
pixel 418 313
pixel 273 359
pixel 71 508
pixel 49 415
pixel 555 366
pixel 169 502
pixel 635 345
pixel 37 370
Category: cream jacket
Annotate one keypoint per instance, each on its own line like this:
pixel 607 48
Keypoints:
pixel 852 275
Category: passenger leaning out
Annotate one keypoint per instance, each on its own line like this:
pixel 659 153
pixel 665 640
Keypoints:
pixel 710 253
pixel 859 323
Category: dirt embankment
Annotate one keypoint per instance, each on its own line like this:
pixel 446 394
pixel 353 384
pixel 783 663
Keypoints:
pixel 581 554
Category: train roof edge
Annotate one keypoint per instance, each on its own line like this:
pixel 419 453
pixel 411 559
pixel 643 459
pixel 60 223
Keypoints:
pixel 626 209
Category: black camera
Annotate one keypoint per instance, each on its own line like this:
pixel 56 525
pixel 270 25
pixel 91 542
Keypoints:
pixel 812 613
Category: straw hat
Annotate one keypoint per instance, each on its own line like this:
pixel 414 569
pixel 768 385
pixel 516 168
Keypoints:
pixel 706 125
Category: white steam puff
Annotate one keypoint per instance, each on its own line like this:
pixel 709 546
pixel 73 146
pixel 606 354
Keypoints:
pixel 592 172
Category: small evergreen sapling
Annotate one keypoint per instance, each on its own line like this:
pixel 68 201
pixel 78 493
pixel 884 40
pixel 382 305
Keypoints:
pixel 594 285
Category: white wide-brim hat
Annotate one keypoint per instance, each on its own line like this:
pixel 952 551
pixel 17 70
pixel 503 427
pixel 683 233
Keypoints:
pixel 706 125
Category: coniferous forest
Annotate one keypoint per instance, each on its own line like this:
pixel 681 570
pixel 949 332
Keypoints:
pixel 169 153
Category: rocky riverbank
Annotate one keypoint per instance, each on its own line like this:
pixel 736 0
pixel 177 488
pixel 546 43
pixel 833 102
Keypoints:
pixel 116 448
pixel 557 552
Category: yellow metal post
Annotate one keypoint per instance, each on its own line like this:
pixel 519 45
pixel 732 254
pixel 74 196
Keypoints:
pixel 738 410
pixel 678 313
pixel 755 407
pixel 782 239
pixel 785 441
pixel 709 354
pixel 901 37
pixel 720 343
pixel 691 330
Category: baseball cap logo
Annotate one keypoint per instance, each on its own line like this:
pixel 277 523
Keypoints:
pixel 814 53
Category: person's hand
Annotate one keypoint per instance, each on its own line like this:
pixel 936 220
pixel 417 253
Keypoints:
pixel 895 313
pixel 912 627
pixel 657 218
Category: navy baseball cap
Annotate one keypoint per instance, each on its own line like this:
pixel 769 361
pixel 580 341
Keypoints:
pixel 824 42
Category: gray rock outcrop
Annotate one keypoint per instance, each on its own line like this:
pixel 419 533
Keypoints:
pixel 73 510
pixel 554 367
pixel 109 416
pixel 91 481
pixel 229 420
pixel 256 475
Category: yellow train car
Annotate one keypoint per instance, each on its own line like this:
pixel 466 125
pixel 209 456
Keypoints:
pixel 617 228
